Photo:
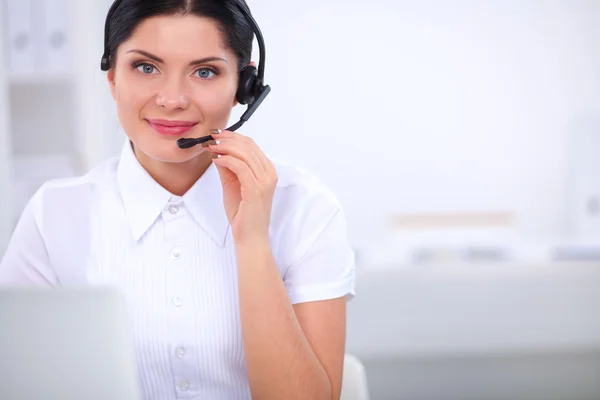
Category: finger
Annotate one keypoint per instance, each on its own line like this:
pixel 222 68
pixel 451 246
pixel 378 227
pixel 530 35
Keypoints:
pixel 240 169
pixel 263 159
pixel 227 176
pixel 221 134
pixel 241 150
pixel 267 165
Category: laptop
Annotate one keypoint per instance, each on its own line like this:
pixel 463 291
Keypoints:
pixel 66 343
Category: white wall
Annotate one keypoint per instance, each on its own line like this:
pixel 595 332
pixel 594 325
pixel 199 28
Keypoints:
pixel 407 106
pixel 403 106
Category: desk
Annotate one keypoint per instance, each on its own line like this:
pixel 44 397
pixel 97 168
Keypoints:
pixel 501 331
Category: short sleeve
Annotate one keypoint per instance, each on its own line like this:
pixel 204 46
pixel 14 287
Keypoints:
pixel 323 266
pixel 26 260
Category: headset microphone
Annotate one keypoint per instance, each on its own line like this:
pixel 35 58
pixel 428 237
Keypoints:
pixel 186 143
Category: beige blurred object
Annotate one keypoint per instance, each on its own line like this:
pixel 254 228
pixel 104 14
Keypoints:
pixel 451 220
pixel 354 383
pixel 442 237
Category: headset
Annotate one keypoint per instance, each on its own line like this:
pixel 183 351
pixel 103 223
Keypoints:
pixel 251 89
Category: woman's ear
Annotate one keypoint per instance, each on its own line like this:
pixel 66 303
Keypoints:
pixel 110 77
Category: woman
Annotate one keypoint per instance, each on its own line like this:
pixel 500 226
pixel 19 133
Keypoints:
pixel 236 267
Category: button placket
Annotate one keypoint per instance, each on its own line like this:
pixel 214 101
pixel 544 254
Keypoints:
pixel 180 303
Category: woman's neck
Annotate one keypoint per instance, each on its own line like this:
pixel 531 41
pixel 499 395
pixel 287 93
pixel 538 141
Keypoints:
pixel 177 178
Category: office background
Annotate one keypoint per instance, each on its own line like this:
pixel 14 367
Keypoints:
pixel 461 137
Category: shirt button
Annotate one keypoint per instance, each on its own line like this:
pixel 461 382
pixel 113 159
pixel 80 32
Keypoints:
pixel 175 254
pixel 173 210
pixel 180 352
pixel 177 301
pixel 184 385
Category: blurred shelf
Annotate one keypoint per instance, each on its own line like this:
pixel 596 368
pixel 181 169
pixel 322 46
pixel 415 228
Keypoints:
pixel 56 111
pixel 41 78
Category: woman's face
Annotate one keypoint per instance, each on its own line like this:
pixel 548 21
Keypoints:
pixel 173 78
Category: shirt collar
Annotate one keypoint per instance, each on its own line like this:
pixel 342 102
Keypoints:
pixel 144 199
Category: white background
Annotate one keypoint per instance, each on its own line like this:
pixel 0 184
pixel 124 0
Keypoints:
pixel 399 106
pixel 406 106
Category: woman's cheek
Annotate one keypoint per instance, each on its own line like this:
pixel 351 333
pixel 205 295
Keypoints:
pixel 216 104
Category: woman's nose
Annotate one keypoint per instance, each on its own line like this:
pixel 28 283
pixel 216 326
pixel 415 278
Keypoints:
pixel 173 96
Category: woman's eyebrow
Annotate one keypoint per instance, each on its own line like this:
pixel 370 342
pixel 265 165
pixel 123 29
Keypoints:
pixel 160 60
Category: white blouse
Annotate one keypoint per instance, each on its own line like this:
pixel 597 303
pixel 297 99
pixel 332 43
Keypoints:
pixel 174 259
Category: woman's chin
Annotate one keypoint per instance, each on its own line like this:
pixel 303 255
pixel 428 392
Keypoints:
pixel 177 155
pixel 171 153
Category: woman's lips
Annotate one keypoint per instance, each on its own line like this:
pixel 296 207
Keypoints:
pixel 169 127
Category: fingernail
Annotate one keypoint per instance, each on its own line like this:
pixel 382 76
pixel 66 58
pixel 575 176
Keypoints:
pixel 215 131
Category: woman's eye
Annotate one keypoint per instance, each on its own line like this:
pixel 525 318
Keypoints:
pixel 146 68
pixel 205 73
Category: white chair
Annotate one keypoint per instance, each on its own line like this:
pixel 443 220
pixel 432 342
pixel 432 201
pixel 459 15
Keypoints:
pixel 354 381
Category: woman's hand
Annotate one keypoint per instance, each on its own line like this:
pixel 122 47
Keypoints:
pixel 249 179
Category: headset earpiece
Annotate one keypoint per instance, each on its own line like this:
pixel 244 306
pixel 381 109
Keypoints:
pixel 104 64
pixel 248 85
